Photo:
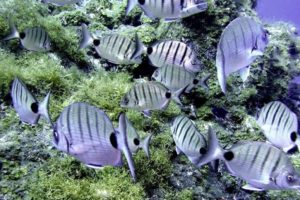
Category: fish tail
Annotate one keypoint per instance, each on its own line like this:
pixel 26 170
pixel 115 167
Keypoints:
pixel 123 144
pixel 214 150
pixel 44 107
pixel 130 5
pixel 177 94
pixel 202 5
pixel 203 82
pixel 13 31
pixel 145 145
pixel 87 39
pixel 139 48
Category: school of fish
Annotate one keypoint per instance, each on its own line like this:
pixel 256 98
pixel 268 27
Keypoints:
pixel 88 134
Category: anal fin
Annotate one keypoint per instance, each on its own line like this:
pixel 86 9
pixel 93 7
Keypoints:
pixel 252 188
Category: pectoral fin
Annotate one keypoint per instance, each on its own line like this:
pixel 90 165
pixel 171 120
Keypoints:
pixel 244 73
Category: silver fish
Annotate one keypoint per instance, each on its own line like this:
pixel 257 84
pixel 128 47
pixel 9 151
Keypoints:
pixel 261 165
pixel 26 105
pixel 134 140
pixel 87 133
pixel 188 139
pixel 173 53
pixel 115 48
pixel 61 2
pixel 33 39
pixel 150 95
pixel 176 78
pixel 171 10
pixel 242 41
pixel 280 125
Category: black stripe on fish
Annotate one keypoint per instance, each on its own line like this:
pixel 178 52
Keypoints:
pixel 176 52
pixel 97 124
pixel 161 49
pixel 286 121
pixel 162 5
pixel 182 126
pixel 114 43
pixel 275 114
pixel 168 52
pixel 243 35
pixel 184 54
pixel 254 158
pixel 88 122
pixel 265 160
pixel 267 113
pixel 177 125
pixel 192 135
pixel 78 114
pixel 172 6
pixel 235 42
pixel 274 168
pixel 68 121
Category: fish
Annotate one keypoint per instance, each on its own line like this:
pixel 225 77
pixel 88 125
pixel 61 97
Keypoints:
pixel 115 48
pixel 261 165
pixel 32 39
pixel 148 96
pixel 134 140
pixel 86 133
pixel 173 53
pixel 175 78
pixel 242 41
pixel 188 139
pixel 172 10
pixel 60 2
pixel 26 105
pixel 280 125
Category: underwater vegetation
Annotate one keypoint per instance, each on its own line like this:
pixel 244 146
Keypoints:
pixel 32 168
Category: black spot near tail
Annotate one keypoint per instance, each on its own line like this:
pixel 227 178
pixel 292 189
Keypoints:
pixel 141 2
pixel 96 42
pixel 195 81
pixel 35 107
pixel 149 50
pixel 229 155
pixel 202 151
pixel 113 140
pixel 293 136
pixel 22 35
pixel 136 141
pixel 168 95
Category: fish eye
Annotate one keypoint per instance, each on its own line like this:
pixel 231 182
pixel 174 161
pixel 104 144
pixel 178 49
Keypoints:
pixel 34 107
pixel 142 2
pixel 22 35
pixel 96 42
pixel 290 178
pixel 293 136
pixel 195 81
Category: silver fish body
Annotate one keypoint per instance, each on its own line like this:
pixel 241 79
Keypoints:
pixel 242 41
pixel 171 10
pixel 175 54
pixel 176 78
pixel 115 48
pixel 150 95
pixel 188 139
pixel 280 125
pixel 26 105
pixel 134 140
pixel 61 2
pixel 261 165
pixel 87 133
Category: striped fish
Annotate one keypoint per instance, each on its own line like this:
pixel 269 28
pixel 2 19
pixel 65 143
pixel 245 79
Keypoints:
pixel 242 41
pixel 61 2
pixel 150 95
pixel 280 125
pixel 87 133
pixel 170 10
pixel 33 39
pixel 134 140
pixel 173 53
pixel 188 139
pixel 26 105
pixel 175 78
pixel 261 165
pixel 115 48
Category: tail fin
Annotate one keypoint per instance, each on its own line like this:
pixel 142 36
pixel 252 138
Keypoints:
pixel 87 39
pixel 44 107
pixel 177 94
pixel 139 48
pixel 214 150
pixel 203 82
pixel 130 5
pixel 123 144
pixel 13 31
pixel 145 145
